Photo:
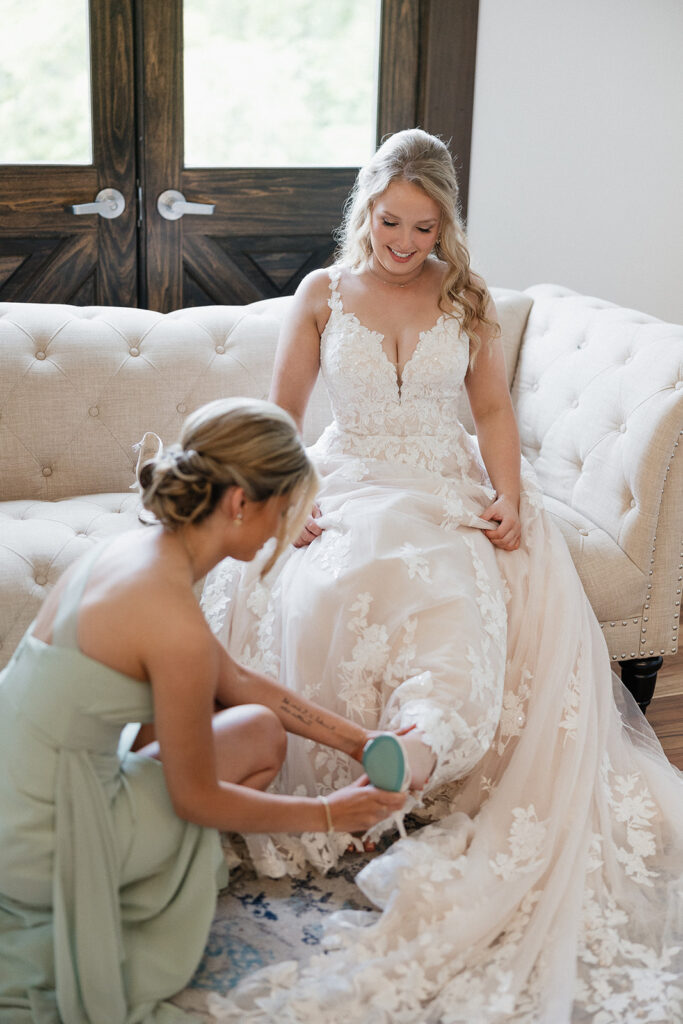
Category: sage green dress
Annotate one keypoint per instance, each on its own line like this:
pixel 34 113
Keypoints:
pixel 106 895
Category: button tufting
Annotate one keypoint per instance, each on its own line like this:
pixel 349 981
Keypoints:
pixel 181 407
pixel 575 404
pixel 583 531
pixel 622 428
pixel 134 351
pixel 93 410
pixel 678 385
pixel 47 471
pixel 41 580
pixel 40 355
pixel 629 359
pixel 633 503
pixel 220 349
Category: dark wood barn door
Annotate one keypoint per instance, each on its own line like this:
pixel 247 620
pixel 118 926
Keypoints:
pixel 267 226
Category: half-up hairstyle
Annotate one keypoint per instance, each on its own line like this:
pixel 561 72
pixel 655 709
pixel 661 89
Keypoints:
pixel 424 160
pixel 232 442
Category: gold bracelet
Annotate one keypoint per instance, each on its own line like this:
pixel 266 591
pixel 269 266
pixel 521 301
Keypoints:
pixel 328 813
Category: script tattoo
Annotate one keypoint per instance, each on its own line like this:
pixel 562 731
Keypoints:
pixel 304 714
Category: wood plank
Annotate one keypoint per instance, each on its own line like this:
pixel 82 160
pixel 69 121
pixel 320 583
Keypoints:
pixel 217 274
pixel 160 116
pixel 113 71
pixel 398 66
pixel 670 676
pixel 447 62
pixel 665 715
pixel 59 277
pixel 36 199
pixel 259 200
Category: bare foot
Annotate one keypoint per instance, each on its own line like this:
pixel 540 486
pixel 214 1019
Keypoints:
pixel 421 759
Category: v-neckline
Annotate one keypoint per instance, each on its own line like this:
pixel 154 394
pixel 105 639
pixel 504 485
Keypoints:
pixel 378 336
pixel 399 379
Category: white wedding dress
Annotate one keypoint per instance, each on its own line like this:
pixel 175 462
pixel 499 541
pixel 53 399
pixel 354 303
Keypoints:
pixel 551 888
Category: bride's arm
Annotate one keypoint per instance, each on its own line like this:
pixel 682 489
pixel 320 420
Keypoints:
pixel 297 359
pixel 498 436
pixel 297 362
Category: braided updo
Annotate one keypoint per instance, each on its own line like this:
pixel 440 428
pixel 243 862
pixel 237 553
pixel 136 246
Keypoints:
pixel 232 442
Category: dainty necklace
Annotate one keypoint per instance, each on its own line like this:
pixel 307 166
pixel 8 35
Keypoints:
pixel 396 284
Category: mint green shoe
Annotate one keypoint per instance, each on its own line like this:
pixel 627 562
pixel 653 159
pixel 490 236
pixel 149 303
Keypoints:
pixel 386 763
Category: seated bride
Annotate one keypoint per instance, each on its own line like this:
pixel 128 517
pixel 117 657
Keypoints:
pixel 430 589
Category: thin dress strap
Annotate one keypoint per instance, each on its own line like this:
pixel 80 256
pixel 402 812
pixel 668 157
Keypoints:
pixel 65 623
pixel 334 301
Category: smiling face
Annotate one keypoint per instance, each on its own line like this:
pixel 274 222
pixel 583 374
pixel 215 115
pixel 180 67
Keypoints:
pixel 404 226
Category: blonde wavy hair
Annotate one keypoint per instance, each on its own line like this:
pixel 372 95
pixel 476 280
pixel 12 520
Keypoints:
pixel 232 442
pixel 424 160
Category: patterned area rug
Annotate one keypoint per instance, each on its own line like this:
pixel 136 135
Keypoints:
pixel 261 921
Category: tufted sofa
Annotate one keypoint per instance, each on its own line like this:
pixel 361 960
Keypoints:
pixel 598 392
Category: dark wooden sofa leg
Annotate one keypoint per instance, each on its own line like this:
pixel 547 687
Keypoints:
pixel 639 675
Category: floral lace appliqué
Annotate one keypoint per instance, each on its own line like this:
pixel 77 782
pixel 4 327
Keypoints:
pixel 526 837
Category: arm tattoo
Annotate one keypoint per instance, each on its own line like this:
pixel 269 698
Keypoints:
pixel 291 707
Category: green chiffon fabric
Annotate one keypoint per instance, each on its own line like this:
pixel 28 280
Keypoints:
pixel 106 896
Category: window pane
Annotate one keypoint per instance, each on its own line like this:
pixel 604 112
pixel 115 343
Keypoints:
pixel 280 84
pixel 45 82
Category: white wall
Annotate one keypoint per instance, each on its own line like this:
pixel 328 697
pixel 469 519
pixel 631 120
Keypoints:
pixel 577 149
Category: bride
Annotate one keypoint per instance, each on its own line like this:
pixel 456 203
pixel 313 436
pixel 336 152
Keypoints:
pixel 430 590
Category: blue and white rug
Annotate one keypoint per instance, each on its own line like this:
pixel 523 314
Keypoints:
pixel 261 921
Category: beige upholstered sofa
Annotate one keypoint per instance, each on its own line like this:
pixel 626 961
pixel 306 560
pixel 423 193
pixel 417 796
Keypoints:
pixel 598 391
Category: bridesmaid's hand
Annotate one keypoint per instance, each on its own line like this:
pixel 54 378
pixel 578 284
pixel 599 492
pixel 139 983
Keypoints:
pixel 311 529
pixel 507 530
pixel 358 807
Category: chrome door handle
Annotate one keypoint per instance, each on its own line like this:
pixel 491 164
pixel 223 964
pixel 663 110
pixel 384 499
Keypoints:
pixel 172 206
pixel 108 203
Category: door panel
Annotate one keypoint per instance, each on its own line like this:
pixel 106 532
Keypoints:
pixel 48 254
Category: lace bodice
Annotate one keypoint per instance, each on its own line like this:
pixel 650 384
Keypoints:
pixel 377 414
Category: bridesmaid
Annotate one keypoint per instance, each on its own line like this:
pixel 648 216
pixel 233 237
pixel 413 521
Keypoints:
pixel 110 859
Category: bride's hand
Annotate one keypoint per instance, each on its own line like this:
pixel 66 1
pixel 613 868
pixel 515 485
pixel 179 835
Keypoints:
pixel 311 529
pixel 507 531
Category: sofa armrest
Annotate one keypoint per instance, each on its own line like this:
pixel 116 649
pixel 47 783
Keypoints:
pixel 599 400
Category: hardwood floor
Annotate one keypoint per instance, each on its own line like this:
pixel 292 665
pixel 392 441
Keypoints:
pixel 665 713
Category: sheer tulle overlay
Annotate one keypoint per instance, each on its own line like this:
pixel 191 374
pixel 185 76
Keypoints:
pixel 550 887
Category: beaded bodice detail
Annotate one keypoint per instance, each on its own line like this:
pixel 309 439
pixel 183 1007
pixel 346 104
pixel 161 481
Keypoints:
pixel 412 418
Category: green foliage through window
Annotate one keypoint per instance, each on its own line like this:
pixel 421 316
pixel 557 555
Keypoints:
pixel 280 83
pixel 45 112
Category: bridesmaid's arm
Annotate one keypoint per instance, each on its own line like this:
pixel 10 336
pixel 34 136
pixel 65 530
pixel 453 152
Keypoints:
pixel 240 685
pixel 496 427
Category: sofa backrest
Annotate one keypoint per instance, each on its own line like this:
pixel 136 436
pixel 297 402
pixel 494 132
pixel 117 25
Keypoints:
pixel 79 386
